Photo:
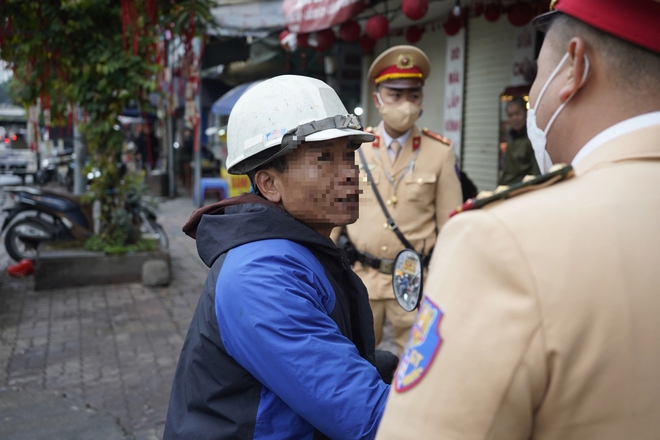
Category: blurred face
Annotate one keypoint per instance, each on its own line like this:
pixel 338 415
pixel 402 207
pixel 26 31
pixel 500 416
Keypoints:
pixel 320 187
pixel 517 116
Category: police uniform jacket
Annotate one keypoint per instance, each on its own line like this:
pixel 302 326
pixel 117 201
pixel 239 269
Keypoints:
pixel 542 312
pixel 427 192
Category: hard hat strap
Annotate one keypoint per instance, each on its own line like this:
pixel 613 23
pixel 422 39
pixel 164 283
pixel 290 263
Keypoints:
pixel 339 121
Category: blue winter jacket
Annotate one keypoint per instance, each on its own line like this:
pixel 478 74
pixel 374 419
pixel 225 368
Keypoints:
pixel 280 346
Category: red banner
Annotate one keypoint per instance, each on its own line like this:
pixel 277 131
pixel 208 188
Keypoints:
pixel 303 16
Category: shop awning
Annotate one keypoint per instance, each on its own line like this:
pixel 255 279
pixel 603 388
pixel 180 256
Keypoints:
pixel 303 16
pixel 227 101
pixel 248 19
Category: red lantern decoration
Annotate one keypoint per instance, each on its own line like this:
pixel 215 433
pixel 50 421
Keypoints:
pixel 367 44
pixel 350 31
pixel 415 9
pixel 453 24
pixel 477 9
pixel 492 12
pixel 324 39
pixel 303 41
pixel 414 34
pixel 520 14
pixel 377 27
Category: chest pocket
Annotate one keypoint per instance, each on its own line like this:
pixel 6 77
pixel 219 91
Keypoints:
pixel 367 193
pixel 420 188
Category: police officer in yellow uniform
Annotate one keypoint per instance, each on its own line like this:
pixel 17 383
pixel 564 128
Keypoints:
pixel 540 318
pixel 414 172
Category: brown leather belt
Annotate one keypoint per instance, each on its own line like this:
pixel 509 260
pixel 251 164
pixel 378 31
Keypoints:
pixel 384 265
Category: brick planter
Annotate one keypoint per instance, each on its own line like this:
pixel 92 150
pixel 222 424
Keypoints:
pixel 75 267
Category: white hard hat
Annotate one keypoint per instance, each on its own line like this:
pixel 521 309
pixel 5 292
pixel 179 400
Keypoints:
pixel 291 108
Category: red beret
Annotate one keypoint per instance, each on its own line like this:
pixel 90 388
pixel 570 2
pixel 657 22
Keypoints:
pixel 636 21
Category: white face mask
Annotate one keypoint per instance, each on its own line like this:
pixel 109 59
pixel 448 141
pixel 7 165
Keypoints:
pixel 539 137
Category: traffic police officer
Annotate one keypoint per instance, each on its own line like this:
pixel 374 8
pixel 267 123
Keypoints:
pixel 415 174
pixel 540 315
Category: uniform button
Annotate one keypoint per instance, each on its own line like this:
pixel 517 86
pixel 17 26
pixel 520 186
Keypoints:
pixel 384 249
pixel 420 180
pixel 364 179
pixel 389 202
pixel 385 225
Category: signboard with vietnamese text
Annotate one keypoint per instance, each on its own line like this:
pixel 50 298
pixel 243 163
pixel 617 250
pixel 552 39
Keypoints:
pixel 303 16
pixel 522 70
pixel 454 80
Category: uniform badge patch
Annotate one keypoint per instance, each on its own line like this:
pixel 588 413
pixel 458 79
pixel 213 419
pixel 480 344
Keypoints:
pixel 421 348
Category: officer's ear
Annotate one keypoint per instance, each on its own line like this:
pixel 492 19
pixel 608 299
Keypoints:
pixel 268 182
pixel 577 66
pixel 375 98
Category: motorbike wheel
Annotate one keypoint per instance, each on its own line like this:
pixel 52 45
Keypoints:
pixel 43 177
pixel 17 246
pixel 162 236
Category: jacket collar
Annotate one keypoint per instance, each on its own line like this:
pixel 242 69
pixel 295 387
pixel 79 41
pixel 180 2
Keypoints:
pixel 405 156
pixel 642 144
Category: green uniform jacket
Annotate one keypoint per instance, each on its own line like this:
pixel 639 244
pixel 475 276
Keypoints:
pixel 519 159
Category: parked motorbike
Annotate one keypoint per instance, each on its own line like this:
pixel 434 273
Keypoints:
pixel 60 169
pixel 46 215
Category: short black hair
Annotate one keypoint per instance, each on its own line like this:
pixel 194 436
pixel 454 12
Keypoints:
pixel 279 164
pixel 518 100
pixel 629 66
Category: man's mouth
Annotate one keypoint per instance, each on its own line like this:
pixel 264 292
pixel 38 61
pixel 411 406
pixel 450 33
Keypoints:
pixel 350 198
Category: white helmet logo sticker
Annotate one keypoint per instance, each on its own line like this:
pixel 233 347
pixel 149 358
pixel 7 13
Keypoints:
pixel 275 134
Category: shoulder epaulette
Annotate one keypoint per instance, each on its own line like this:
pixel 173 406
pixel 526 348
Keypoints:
pixel 369 129
pixel 436 136
pixel 556 174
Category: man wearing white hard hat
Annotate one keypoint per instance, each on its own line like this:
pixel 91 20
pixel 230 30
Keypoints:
pixel 281 344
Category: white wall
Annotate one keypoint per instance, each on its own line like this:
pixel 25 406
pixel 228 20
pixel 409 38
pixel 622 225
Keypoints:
pixel 487 74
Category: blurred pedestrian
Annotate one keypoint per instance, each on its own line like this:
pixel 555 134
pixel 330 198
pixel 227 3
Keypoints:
pixel 148 148
pixel 184 155
pixel 519 158
pixel 540 314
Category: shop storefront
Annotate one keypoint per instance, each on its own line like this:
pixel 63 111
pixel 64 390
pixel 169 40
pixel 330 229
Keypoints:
pixel 468 103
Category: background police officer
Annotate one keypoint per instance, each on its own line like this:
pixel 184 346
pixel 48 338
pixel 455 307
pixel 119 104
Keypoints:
pixel 414 172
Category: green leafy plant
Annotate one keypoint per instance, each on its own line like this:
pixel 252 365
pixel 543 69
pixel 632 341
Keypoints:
pixel 98 54
pixel 116 244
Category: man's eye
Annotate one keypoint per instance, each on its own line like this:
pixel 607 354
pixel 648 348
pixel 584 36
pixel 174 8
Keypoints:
pixel 324 157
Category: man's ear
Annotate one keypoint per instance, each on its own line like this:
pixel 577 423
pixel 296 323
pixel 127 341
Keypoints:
pixel 577 66
pixel 375 98
pixel 268 183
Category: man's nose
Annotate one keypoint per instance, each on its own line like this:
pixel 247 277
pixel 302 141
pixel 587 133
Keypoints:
pixel 350 172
